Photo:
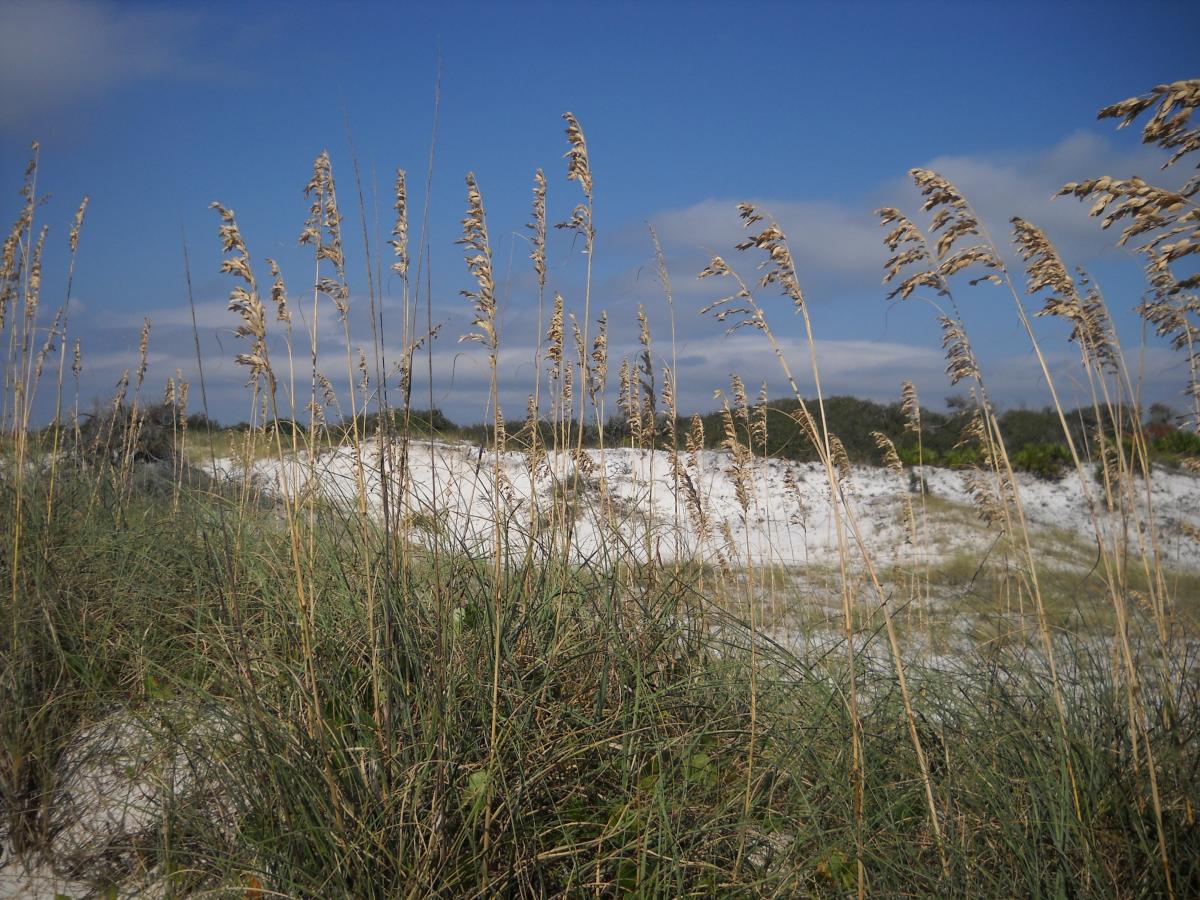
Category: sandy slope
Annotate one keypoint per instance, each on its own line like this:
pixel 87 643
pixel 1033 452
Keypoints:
pixel 454 486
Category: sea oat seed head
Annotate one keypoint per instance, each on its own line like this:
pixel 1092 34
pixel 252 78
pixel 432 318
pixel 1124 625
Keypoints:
pixel 479 263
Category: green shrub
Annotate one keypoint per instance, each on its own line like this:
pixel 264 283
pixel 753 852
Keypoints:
pixel 1047 461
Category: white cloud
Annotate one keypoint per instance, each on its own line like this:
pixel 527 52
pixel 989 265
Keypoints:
pixel 840 243
pixel 1024 185
pixel 839 252
pixel 55 54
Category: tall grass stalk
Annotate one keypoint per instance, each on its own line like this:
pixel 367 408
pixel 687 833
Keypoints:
pixel 316 699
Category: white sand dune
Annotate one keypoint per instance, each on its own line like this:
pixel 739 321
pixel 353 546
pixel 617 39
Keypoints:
pixel 788 520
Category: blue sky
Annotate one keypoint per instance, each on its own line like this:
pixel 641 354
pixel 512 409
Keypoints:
pixel 814 111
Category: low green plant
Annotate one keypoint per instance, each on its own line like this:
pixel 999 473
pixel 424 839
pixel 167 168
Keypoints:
pixel 1046 461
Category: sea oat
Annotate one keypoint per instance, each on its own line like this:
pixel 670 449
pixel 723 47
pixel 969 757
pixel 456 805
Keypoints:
pixel 244 300
pixel 556 336
pixel 279 293
pixel 578 166
pixel 479 262
pixel 694 441
pixel 538 227
pixel 910 407
pixel 77 224
pixel 143 348
pixel 916 253
pixel 600 352
pixel 953 220
pixel 399 241
pixel 323 229
pixel 981 486
pixel 779 267
pixel 960 360
pixel 891 459
pixel 841 459
pixel 1167 127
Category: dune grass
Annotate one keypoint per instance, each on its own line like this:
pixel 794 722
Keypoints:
pixel 353 699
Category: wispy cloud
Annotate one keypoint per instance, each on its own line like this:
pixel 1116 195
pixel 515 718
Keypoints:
pixel 838 249
pixel 58 54
pixel 839 243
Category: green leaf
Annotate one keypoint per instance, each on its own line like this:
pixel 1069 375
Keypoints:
pixel 476 792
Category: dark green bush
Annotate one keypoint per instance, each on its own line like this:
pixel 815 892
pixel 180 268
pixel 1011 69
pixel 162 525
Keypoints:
pixel 1047 461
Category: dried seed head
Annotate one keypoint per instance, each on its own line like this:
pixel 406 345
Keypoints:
pixel 231 236
pixel 244 300
pixel 583 462
pixel 722 561
pixel 1045 269
pixel 143 349
pixel 77 225
pixel 49 345
pixel 1169 310
pixel 323 229
pixel 668 390
pixel 535 453
pixel 739 306
pixel 730 545
pixel 34 284
pixel 841 459
pixel 577 335
pixel 555 336
pixel 792 486
pixel 988 500
pixel 643 326
pixel 279 293
pixel 915 254
pixel 692 499
pixel 741 405
pixel 802 417
pixel 538 227
pixel 479 262
pixel 910 407
pixel 954 219
pixel 903 230
pixel 501 434
pixel 974 432
pixel 758 422
pixel 626 399
pixel 578 167
pixel 1168 220
pixel 660 262
pixel 645 378
pixel 694 441
pixel 891 459
pixel 779 267
pixel 1167 127
pixel 960 360
pixel 122 387
pixel 740 460
pixel 12 259
pixel 1089 321
pixel 600 351
pixel 716 267
pixel 399 239
pixel 77 359
pixel 328 393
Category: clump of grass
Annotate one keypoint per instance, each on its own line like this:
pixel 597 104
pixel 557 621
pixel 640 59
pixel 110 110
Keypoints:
pixel 369 704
